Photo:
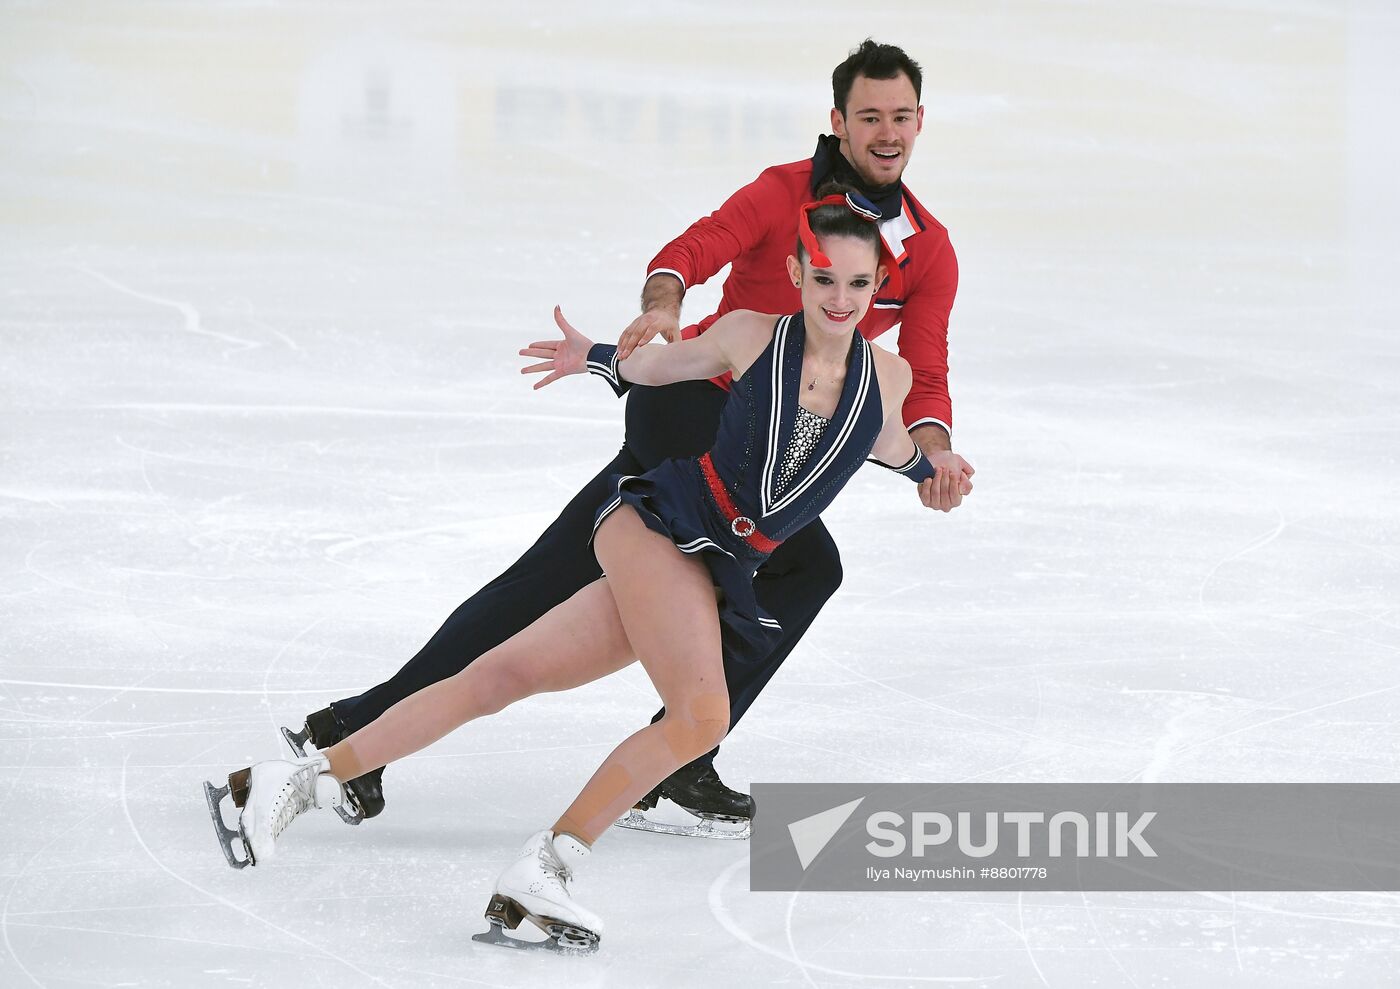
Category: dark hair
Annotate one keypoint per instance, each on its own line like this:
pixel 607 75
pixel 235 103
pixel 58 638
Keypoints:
pixel 839 220
pixel 874 61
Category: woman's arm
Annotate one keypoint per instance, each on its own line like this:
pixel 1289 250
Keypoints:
pixel 893 448
pixel 723 347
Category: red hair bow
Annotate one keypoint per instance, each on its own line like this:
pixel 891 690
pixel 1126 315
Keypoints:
pixel 861 207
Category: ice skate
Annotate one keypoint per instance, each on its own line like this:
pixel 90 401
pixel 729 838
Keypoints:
pixel 323 729
pixel 535 887
pixel 269 796
pixel 693 801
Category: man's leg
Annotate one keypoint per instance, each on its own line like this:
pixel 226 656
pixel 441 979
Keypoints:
pixel 559 564
pixel 678 420
pixel 793 586
pixel 673 421
pixel 574 643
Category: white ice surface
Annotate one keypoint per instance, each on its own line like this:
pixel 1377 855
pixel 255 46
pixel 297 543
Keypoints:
pixel 263 272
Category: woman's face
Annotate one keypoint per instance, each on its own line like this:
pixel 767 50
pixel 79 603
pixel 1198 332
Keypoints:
pixel 835 298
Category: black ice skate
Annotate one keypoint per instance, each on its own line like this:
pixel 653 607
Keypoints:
pixel 693 801
pixel 323 729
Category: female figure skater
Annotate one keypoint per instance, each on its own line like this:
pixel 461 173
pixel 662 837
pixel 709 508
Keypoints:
pixel 812 400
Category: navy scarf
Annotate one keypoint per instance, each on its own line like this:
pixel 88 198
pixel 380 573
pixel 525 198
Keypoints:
pixel 829 163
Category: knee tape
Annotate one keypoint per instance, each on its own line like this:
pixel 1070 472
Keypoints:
pixel 703 726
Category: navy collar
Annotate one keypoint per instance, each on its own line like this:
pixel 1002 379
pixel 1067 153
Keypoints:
pixel 860 388
pixel 828 162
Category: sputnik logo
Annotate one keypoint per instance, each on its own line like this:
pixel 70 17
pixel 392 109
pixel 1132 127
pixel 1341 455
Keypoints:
pixel 811 834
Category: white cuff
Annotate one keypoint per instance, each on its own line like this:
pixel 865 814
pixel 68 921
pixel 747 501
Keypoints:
pixel 926 420
pixel 670 271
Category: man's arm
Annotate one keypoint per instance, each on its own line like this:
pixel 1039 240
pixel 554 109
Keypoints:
pixel 923 342
pixel 661 314
pixel 931 438
pixel 695 256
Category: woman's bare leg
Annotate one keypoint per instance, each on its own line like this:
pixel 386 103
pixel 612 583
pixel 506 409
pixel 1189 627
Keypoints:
pixel 574 643
pixel 666 602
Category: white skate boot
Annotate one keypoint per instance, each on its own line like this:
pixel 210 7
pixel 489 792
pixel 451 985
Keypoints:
pixel 270 794
pixel 535 888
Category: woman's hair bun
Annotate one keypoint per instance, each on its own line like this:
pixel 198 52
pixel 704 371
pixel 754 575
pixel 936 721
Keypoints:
pixel 833 187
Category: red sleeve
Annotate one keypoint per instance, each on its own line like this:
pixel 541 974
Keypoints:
pixel 923 339
pixel 714 241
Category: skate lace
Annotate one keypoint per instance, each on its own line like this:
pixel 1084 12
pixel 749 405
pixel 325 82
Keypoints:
pixel 554 867
pixel 298 794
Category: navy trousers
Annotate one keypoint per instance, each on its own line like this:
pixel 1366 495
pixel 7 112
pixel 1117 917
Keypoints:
pixel 677 420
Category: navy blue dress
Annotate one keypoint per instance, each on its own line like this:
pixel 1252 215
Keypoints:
pixel 676 500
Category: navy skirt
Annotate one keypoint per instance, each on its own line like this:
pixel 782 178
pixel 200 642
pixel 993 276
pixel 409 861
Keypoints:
pixel 674 500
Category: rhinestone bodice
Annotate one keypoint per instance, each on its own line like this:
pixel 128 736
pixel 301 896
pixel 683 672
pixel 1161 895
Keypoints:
pixel 806 432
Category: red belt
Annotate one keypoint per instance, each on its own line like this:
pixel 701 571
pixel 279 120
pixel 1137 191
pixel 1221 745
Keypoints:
pixel 741 525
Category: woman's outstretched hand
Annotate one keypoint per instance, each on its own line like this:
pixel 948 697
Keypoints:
pixel 563 357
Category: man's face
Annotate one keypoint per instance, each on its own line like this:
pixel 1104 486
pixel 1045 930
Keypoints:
pixel 878 129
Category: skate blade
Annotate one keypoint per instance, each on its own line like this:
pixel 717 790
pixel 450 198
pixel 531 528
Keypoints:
pixel 214 797
pixel 505 914
pixel 671 818
pixel 495 935
pixel 296 741
pixel 354 815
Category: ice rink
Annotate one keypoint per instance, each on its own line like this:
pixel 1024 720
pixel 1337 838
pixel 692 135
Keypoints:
pixel 264 269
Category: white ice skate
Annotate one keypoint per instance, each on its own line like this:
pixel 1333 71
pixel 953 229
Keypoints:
pixel 270 795
pixel 535 887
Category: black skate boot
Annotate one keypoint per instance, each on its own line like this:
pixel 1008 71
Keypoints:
pixel 693 801
pixel 323 729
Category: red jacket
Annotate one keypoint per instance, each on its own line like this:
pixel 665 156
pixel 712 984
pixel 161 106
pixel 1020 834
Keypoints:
pixel 756 229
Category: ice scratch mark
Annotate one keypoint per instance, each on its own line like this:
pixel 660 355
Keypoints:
pixel 4 921
pixel 122 688
pixel 192 321
pixel 126 809
pixel 267 673
pixel 727 921
pixel 1285 717
pixel 215 408
pixel 1020 931
pixel 1300 914
pixel 792 941
pixel 950 712
pixel 1101 938
pixel 1259 543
